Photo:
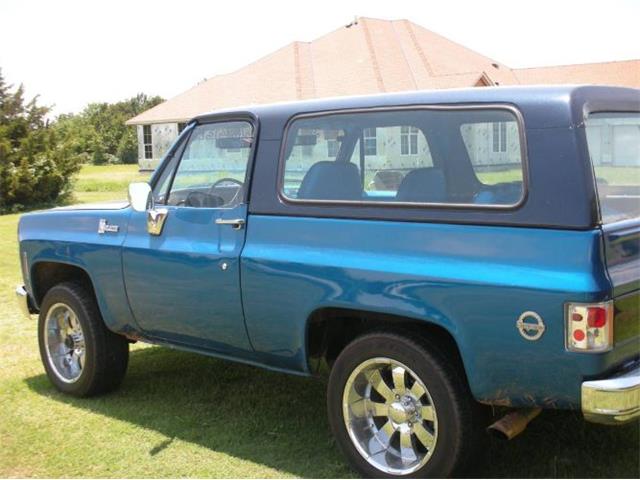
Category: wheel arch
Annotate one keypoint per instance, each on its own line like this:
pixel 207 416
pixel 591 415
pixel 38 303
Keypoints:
pixel 330 330
pixel 47 274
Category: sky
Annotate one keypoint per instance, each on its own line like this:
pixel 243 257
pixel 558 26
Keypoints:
pixel 75 52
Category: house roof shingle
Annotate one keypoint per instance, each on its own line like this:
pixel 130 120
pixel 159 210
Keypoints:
pixel 368 56
pixel 624 73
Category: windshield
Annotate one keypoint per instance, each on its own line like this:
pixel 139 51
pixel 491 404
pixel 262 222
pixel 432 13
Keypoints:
pixel 614 148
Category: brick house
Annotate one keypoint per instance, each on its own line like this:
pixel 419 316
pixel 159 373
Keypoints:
pixel 368 56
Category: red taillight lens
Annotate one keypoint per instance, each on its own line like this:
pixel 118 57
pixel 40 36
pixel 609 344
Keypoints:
pixel 589 327
pixel 578 335
pixel 597 317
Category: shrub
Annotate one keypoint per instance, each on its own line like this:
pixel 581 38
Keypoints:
pixel 100 130
pixel 36 168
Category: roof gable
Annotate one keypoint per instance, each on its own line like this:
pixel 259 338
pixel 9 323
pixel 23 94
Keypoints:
pixel 369 56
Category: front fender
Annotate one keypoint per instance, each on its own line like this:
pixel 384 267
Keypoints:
pixel 71 237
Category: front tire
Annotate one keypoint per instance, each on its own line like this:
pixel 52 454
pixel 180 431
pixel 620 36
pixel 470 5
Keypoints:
pixel 80 355
pixel 398 408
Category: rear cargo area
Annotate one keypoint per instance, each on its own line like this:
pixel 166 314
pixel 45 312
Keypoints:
pixel 614 148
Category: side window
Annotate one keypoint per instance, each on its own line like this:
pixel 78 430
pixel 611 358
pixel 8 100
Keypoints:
pixel 213 166
pixel 613 139
pixel 432 156
pixel 494 151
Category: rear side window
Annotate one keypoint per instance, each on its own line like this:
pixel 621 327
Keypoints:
pixel 460 157
pixel 614 148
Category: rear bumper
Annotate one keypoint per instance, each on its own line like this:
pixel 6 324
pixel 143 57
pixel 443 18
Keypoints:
pixel 24 301
pixel 613 400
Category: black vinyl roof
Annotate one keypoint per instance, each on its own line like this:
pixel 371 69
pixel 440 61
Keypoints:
pixel 545 106
pixel 561 189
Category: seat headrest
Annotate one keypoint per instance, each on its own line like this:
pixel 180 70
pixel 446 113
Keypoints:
pixel 423 185
pixel 331 180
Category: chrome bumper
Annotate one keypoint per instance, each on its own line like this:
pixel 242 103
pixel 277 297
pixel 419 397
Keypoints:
pixel 613 400
pixel 24 301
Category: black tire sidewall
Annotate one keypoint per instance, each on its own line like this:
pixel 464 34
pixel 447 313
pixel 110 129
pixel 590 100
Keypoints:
pixel 441 382
pixel 70 296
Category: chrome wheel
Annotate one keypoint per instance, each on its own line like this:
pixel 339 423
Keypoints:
pixel 64 343
pixel 390 416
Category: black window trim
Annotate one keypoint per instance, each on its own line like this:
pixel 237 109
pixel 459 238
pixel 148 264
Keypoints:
pixel 185 136
pixel 428 205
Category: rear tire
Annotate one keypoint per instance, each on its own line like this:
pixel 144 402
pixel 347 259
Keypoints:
pixel 430 434
pixel 81 356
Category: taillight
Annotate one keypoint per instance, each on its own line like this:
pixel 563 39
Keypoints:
pixel 589 327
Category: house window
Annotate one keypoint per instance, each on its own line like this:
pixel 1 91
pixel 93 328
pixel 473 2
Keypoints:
pixel 370 141
pixel 181 126
pixel 408 141
pixel 500 137
pixel 332 148
pixel 307 150
pixel 147 141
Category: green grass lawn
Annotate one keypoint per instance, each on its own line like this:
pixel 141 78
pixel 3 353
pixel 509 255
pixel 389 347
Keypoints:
pixel 109 182
pixel 183 415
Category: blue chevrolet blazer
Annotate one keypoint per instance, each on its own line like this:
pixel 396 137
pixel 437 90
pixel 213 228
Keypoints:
pixel 431 252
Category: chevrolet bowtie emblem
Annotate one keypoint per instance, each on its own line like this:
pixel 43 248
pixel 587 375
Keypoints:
pixel 530 326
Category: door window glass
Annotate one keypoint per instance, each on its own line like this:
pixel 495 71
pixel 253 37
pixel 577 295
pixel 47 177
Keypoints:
pixel 213 167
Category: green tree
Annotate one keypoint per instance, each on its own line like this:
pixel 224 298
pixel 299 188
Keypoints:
pixel 35 166
pixel 99 134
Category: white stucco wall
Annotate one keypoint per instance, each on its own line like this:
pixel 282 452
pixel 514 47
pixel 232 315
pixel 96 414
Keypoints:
pixel 162 136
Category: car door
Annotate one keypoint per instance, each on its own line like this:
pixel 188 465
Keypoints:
pixel 181 257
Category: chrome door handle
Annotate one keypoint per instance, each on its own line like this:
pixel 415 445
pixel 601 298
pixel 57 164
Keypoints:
pixel 236 223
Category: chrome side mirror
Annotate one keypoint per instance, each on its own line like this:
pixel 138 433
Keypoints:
pixel 141 200
pixel 140 196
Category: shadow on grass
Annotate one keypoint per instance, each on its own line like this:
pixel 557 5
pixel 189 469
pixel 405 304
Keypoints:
pixel 279 421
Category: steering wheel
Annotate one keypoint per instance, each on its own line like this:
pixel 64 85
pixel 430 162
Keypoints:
pixel 227 179
pixel 200 199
